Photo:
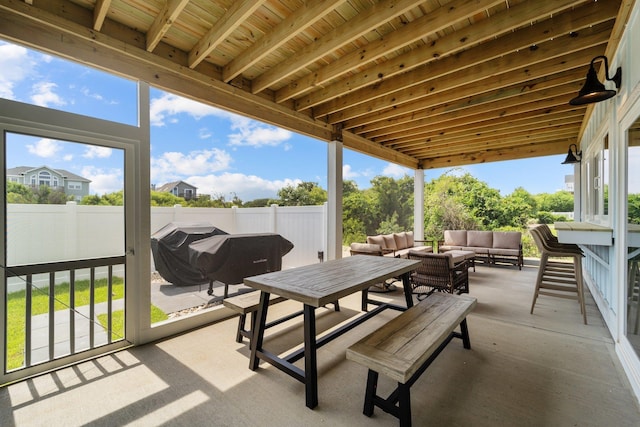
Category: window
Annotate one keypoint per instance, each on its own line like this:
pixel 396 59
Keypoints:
pixel 596 186
pixel 74 186
pixel 44 178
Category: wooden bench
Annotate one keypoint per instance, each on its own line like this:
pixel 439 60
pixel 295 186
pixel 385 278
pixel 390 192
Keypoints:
pixel 405 347
pixel 248 302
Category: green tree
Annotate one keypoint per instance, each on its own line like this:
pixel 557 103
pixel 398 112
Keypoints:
pixel 633 208
pixel 19 193
pixel 560 201
pixel 166 199
pixel 44 195
pixel 109 199
pixel 257 203
pixel 518 207
pixel 304 194
pixel 393 197
pixel 357 213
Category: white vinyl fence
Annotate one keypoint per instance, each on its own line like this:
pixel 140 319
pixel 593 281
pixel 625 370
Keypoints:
pixel 51 233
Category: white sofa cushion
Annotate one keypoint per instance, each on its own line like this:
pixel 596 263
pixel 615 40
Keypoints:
pixel 480 239
pixel 401 240
pixel 507 239
pixel 455 237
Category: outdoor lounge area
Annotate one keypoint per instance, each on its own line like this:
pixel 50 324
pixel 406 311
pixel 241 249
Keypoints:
pixel 529 370
pixel 420 85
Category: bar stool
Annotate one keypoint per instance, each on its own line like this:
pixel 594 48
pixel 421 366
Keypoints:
pixel 556 278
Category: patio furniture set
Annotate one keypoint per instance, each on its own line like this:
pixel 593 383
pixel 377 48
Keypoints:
pixel 427 327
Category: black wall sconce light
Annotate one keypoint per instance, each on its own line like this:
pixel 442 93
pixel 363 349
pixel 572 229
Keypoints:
pixel 573 156
pixel 593 90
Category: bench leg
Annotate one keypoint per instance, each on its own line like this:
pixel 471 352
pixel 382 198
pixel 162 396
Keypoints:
pixel 370 393
pixel 404 405
pixel 466 342
pixel 241 325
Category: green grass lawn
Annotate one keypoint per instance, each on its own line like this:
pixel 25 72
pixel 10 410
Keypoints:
pixel 16 305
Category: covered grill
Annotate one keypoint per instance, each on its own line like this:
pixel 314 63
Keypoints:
pixel 170 248
pixel 230 258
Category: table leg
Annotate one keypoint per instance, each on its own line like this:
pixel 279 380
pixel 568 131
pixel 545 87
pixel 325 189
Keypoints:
pixel 258 330
pixel 406 284
pixel 310 357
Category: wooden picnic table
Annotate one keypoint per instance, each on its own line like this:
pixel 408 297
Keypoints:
pixel 314 286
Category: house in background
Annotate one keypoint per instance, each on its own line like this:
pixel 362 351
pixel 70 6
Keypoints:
pixel 180 189
pixel 58 179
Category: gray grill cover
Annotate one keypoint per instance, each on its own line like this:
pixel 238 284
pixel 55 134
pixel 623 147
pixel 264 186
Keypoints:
pixel 170 248
pixel 231 258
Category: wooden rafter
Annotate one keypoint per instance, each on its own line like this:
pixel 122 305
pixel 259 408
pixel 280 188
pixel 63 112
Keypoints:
pixel 100 13
pixel 235 16
pixel 429 83
pixel 163 22
pixel 346 33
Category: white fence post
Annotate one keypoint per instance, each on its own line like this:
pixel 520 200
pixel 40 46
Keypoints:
pixel 274 218
pixel 71 230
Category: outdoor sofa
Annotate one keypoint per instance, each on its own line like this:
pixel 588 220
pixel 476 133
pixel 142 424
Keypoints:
pixel 399 244
pixel 489 246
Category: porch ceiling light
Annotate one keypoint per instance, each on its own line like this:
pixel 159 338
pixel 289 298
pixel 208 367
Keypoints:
pixel 573 156
pixel 593 90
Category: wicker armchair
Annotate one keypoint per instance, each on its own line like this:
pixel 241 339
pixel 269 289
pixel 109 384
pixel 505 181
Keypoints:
pixel 438 272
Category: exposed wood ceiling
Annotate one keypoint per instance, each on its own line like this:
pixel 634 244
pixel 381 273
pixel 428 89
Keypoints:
pixel 425 84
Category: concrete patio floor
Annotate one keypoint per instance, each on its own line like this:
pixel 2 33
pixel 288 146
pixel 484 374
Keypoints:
pixel 545 369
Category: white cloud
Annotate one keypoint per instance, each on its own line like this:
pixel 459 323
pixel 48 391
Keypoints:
pixel 174 165
pixel 93 152
pixel 164 109
pixel 246 187
pixel 45 148
pixel 255 134
pixel 349 173
pixel 43 94
pixel 246 132
pixel 103 181
pixel 204 133
pixel 16 66
pixel 396 170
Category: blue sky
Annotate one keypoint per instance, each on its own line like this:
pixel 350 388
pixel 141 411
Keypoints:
pixel 218 152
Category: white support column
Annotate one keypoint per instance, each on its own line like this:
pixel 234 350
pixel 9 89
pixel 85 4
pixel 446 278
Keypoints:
pixel 334 202
pixel 418 204
pixel 577 192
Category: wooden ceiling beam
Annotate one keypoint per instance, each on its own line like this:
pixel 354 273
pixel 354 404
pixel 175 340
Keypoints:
pixel 305 16
pixel 531 121
pixel 505 97
pixel 364 146
pixel 452 115
pixel 455 71
pixel 493 82
pixel 169 13
pixel 481 147
pixel 540 101
pixel 547 148
pixel 510 19
pixel 363 23
pixel 100 13
pixel 469 141
pixel 236 15
pixel 422 28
